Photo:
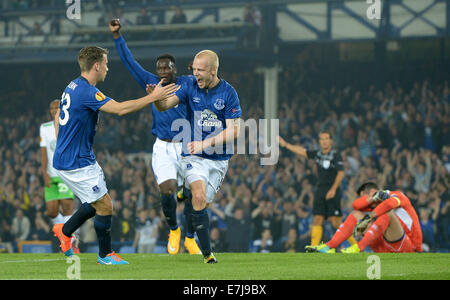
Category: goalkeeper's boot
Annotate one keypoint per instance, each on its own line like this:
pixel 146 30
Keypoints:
pixel 65 241
pixel 210 259
pixel 111 259
pixel 173 245
pixel 191 245
pixel 352 249
pixel 322 248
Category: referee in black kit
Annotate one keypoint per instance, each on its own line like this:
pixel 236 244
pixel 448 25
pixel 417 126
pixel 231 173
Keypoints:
pixel 327 197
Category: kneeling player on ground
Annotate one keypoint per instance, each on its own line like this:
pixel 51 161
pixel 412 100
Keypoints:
pixel 391 226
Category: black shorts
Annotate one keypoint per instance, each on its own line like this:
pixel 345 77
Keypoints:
pixel 324 207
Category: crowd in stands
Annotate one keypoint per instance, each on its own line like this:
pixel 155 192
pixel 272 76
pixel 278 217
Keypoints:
pixel 395 134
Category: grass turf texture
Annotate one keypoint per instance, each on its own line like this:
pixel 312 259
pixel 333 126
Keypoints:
pixel 231 266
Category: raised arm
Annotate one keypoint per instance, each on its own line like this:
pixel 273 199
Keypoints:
pixel 139 74
pixel 293 148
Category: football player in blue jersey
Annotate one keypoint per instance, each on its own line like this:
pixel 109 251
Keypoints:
pixel 166 153
pixel 214 113
pixel 74 160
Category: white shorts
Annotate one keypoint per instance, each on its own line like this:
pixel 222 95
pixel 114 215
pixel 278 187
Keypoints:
pixel 87 183
pixel 166 161
pixel 212 172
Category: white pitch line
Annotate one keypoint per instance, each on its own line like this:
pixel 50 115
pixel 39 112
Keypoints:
pixel 32 260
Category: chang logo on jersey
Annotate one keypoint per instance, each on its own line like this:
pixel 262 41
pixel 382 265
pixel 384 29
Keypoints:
pixel 209 119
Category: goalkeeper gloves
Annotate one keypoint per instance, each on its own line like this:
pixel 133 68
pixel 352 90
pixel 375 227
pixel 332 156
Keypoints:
pixel 361 226
pixel 381 195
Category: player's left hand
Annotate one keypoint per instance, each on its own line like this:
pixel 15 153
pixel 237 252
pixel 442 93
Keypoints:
pixel 380 196
pixel 331 193
pixel 195 147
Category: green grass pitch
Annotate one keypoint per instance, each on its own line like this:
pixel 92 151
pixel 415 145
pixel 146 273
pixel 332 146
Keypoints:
pixel 232 266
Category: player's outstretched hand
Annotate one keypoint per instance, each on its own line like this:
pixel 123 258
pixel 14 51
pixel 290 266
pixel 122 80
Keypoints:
pixel 162 92
pixel 114 25
pixel 281 141
pixel 150 88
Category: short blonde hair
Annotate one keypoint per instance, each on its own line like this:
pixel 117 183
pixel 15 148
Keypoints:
pixel 211 56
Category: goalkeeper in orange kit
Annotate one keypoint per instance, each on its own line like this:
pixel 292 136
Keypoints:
pixel 386 220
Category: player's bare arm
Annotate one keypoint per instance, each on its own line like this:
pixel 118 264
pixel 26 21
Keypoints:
pixel 337 182
pixel 165 103
pixel 293 148
pixel 229 134
pixel 127 107
pixel 44 166
pixel 56 122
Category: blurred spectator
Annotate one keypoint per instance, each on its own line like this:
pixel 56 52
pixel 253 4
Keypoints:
pixel 237 234
pixel 144 18
pixel 20 226
pixel 55 26
pixel 119 14
pixel 263 218
pixel 217 243
pixel 41 230
pixel 179 17
pixel 146 231
pixel 252 14
pixel 292 243
pixel 264 244
pixel 37 30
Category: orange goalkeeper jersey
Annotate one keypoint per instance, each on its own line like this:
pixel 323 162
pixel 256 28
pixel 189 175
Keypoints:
pixel 403 209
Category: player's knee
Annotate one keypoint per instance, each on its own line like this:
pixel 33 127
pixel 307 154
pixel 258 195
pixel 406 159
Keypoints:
pixel 67 207
pixel 318 220
pixel 104 206
pixel 168 187
pixel 52 213
pixel 198 200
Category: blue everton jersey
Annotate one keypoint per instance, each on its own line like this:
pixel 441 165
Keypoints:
pixel 207 114
pixel 77 122
pixel 162 121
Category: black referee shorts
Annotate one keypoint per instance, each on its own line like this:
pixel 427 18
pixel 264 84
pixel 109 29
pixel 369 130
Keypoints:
pixel 324 207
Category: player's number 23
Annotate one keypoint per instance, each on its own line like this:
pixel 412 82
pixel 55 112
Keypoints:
pixel 65 100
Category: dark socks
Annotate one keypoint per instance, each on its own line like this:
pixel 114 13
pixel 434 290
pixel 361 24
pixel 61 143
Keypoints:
pixel 102 225
pixel 169 207
pixel 188 210
pixel 85 212
pixel 200 222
